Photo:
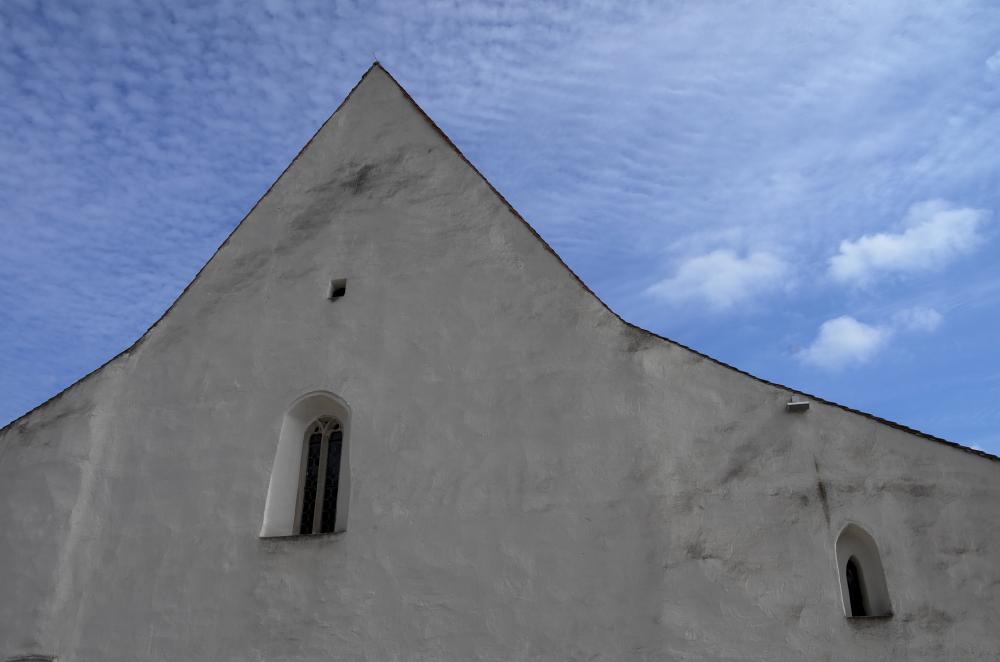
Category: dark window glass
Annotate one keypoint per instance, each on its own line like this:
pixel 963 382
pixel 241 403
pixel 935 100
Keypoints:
pixel 332 481
pixel 310 484
pixel 854 588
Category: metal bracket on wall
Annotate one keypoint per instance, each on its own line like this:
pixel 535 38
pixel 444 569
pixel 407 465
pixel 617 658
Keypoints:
pixel 797 406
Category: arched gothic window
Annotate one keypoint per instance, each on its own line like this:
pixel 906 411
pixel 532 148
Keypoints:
pixel 862 578
pixel 316 509
pixel 310 493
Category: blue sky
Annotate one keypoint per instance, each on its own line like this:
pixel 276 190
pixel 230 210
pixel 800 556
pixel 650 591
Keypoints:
pixel 808 191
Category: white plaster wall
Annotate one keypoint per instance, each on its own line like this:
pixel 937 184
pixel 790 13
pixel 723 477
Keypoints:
pixel 532 479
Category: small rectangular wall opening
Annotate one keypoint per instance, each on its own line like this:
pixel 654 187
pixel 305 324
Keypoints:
pixel 338 288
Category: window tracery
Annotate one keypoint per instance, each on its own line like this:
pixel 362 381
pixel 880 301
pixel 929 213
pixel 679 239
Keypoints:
pixel 320 477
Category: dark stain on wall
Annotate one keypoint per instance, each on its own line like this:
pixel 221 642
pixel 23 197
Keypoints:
pixel 746 459
pixel 824 500
pixel 361 180
pixel 385 178
pixel 637 340
pixel 40 424
pixel 909 488
pixel 696 550
pixel 931 619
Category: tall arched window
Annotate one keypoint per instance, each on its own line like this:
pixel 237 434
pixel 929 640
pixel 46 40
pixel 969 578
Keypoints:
pixel 319 483
pixel 310 485
pixel 862 578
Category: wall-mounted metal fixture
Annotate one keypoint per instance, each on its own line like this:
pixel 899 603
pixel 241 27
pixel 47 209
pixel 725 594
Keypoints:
pixel 797 405
pixel 338 288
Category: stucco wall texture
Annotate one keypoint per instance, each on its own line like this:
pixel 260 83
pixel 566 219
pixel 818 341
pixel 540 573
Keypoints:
pixel 531 478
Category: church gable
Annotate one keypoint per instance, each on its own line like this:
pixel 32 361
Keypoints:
pixel 386 420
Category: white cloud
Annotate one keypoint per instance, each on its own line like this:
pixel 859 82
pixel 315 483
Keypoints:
pixel 934 233
pixel 722 278
pixel 843 341
pixel 993 62
pixel 917 319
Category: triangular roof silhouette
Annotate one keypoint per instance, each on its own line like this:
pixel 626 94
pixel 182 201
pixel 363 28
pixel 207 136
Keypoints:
pixel 376 69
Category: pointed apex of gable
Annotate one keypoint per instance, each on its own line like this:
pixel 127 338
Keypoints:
pixel 377 72
pixel 373 67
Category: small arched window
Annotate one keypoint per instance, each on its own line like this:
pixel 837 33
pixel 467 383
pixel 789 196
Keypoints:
pixel 319 483
pixel 310 487
pixel 862 578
